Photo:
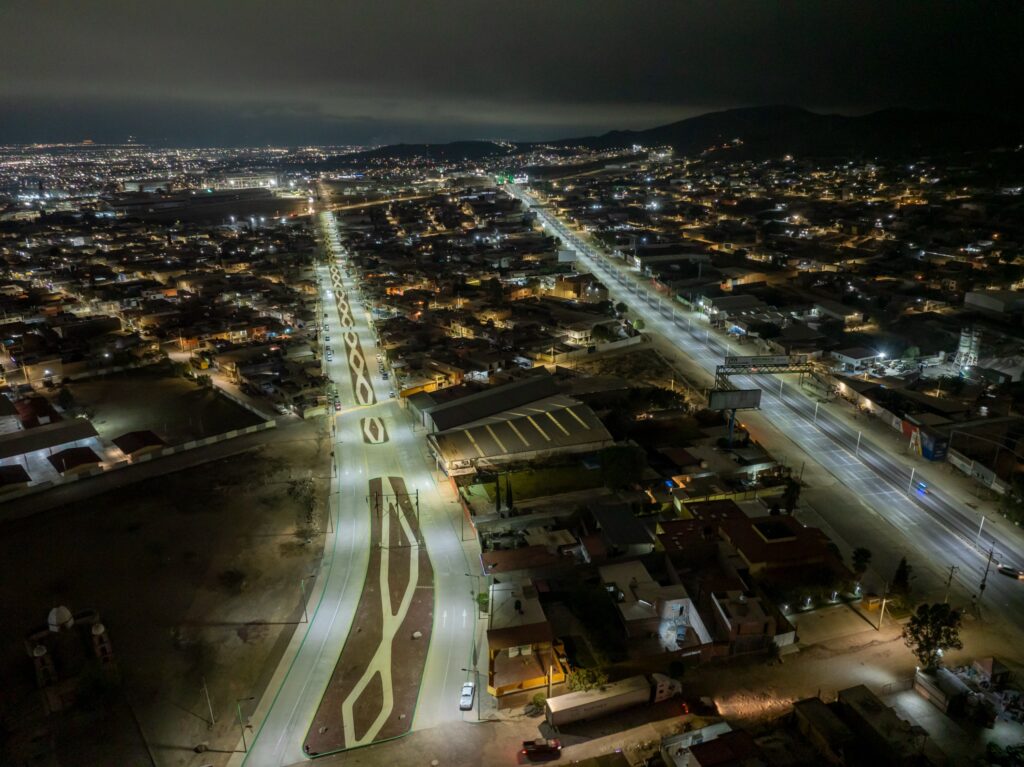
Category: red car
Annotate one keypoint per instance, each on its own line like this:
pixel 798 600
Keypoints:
pixel 546 749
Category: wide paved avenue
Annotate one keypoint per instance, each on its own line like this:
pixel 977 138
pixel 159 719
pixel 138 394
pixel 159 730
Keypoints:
pixel 284 715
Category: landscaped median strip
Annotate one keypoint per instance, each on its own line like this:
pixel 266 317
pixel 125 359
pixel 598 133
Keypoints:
pixel 372 694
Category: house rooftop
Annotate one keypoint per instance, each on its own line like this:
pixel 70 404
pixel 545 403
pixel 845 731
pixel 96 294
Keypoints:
pixel 731 749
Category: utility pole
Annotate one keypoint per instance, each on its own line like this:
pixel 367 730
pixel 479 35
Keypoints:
pixel 949 582
pixel 885 600
pixel 302 588
pixel 242 725
pixel 984 578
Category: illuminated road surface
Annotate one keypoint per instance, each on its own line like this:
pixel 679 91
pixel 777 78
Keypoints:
pixel 357 459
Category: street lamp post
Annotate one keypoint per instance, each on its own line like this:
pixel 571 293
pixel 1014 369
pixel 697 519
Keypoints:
pixel 476 591
pixel 476 672
pixel 302 588
pixel 242 725
pixel 209 703
pixel 984 578
pixel 949 582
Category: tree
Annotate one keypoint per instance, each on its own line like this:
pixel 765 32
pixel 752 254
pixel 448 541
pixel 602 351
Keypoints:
pixel 65 398
pixel 766 330
pixel 791 495
pixel 621 466
pixel 900 584
pixel 1012 503
pixel 860 559
pixel 583 679
pixel 322 432
pixel 932 630
pixel 604 334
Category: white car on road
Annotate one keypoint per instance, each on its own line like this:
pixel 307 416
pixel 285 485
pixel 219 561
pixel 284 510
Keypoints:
pixel 466 698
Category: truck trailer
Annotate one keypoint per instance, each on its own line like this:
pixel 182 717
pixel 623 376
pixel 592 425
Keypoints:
pixel 609 698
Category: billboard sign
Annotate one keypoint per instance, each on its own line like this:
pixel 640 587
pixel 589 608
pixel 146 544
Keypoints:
pixel 734 399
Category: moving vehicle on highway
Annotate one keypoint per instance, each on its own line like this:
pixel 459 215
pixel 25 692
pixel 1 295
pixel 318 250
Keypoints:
pixel 1010 571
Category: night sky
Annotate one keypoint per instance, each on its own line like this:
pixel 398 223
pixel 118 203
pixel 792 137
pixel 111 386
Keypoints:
pixel 236 72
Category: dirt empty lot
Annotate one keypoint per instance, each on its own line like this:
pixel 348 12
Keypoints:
pixel 195 574
pixel 173 407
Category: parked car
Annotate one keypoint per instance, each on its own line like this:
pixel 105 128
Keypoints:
pixel 466 698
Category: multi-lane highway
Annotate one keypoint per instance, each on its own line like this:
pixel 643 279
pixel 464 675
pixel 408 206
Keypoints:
pixel 944 530
pixel 361 454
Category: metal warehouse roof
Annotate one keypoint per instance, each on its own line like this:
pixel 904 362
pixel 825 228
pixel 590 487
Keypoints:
pixel 491 401
pixel 43 437
pixel 561 426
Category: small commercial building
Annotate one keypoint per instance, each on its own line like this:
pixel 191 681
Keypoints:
pixel 856 357
pixel 880 733
pixel 818 722
pixel 522 653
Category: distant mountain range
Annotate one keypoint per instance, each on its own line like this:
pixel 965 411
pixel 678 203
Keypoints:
pixel 772 131
pixel 776 130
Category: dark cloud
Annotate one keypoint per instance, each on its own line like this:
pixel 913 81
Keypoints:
pixel 249 71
